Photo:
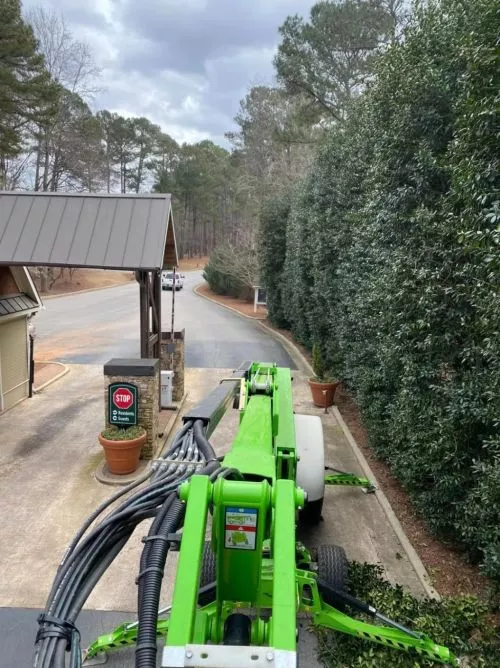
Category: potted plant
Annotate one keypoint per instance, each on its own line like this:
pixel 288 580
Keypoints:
pixel 322 386
pixel 122 447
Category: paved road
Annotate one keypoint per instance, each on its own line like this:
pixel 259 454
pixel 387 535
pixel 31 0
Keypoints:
pixel 92 327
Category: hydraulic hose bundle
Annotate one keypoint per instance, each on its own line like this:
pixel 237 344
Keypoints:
pixel 92 550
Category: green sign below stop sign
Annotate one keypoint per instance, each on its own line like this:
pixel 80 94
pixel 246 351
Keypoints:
pixel 122 401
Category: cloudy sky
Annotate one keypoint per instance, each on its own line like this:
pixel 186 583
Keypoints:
pixel 185 64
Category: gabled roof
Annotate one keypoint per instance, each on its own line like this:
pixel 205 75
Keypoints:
pixel 130 231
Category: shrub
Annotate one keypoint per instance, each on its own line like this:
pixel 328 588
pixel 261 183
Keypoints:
pixel 273 225
pixel 232 271
pixel 460 623
pixel 318 363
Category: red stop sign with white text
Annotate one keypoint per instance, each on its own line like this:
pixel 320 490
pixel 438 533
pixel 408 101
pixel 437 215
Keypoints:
pixel 123 398
pixel 123 404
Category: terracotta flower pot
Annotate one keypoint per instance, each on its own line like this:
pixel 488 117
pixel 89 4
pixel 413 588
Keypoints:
pixel 322 393
pixel 123 456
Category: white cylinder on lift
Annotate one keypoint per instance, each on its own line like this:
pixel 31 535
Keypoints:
pixel 311 453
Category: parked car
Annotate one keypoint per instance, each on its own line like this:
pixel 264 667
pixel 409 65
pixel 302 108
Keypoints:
pixel 167 280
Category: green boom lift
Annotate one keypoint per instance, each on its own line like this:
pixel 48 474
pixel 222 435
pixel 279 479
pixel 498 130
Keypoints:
pixel 237 596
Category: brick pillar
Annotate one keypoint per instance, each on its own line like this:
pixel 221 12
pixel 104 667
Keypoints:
pixel 145 373
pixel 166 360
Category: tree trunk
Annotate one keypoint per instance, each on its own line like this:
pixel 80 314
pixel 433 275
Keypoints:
pixel 56 278
pixel 108 175
pixel 3 174
pixel 123 170
pixel 45 180
pixel 43 279
pixel 55 177
pixel 139 173
pixel 37 167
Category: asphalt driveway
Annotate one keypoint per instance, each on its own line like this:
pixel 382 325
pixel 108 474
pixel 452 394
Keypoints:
pixel 92 327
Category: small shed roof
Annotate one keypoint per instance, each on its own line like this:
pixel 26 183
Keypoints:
pixel 17 304
pixel 130 231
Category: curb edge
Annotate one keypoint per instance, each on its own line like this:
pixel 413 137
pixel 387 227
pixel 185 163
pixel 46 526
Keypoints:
pixel 229 308
pixel 170 427
pixel 64 371
pixel 411 553
pixel 294 352
pixel 84 291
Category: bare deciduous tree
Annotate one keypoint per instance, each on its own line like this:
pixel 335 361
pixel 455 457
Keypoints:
pixel 71 65
pixel 69 61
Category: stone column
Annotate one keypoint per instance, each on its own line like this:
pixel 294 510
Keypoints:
pixel 178 366
pixel 145 374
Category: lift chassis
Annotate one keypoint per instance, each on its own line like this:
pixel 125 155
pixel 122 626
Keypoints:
pixel 259 576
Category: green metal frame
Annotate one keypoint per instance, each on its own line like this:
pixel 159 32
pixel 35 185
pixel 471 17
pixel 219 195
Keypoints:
pixel 276 566
pixel 350 480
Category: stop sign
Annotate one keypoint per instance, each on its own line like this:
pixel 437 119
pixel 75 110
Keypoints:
pixel 123 398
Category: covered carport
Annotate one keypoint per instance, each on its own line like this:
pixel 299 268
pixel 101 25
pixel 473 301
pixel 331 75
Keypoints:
pixel 127 232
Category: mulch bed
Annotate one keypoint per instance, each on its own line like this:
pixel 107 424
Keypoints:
pixel 449 570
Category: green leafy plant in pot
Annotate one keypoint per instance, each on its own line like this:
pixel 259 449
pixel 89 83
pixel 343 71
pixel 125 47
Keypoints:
pixel 122 447
pixel 322 386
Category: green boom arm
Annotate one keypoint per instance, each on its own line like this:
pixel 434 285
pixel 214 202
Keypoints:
pixel 259 564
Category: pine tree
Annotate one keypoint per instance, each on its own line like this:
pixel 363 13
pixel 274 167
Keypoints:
pixel 26 91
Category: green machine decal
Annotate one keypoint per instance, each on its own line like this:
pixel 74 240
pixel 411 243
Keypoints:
pixel 240 528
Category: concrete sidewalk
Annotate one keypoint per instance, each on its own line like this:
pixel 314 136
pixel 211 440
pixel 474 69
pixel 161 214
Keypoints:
pixel 48 457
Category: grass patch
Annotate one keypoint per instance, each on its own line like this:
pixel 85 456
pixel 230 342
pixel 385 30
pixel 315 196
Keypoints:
pixel 114 433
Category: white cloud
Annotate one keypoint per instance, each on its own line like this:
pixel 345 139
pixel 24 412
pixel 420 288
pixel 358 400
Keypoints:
pixel 185 64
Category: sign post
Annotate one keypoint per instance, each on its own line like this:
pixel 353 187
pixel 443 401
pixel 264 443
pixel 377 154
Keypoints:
pixel 122 402
pixel 260 297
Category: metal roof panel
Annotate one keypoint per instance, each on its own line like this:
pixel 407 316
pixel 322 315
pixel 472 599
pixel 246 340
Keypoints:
pixel 88 210
pixel 15 224
pixel 16 304
pixel 7 205
pixel 133 253
pixel 32 241
pixel 120 232
pixel 102 232
pixel 155 236
pixel 126 231
pixel 59 216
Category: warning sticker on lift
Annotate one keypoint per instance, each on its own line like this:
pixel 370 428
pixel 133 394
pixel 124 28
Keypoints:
pixel 240 528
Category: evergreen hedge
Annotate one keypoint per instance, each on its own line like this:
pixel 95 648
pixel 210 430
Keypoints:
pixel 227 272
pixel 391 265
